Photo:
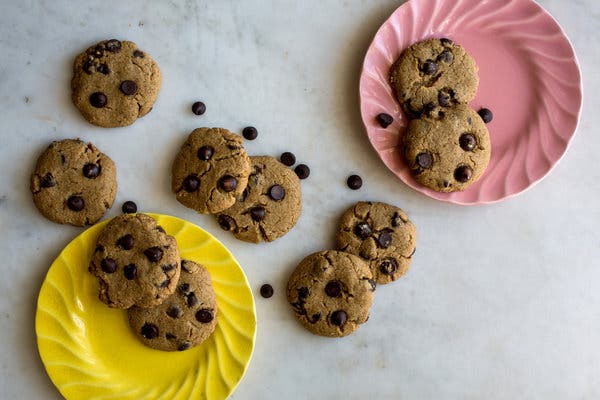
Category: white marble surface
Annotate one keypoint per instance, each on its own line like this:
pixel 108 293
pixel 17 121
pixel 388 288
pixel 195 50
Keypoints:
pixel 501 302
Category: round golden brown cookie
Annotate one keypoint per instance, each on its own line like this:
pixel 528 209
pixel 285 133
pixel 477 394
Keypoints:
pixel 432 75
pixel 331 293
pixel 210 170
pixel 382 235
pixel 73 183
pixel 114 83
pixel 136 262
pixel 185 319
pixel 450 153
pixel 269 206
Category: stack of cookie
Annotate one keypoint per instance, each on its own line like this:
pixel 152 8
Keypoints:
pixel 447 145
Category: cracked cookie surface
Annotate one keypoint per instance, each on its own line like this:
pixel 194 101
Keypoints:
pixel 210 170
pixel 185 319
pixel 450 153
pixel 270 205
pixel 382 235
pixel 136 262
pixel 73 183
pixel 114 83
pixel 433 75
pixel 331 293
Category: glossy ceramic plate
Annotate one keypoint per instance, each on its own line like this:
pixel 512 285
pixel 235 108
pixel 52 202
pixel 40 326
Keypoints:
pixel 90 352
pixel 529 78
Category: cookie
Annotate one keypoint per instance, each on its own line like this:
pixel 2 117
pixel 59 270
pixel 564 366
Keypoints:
pixel 432 75
pixel 73 183
pixel 114 83
pixel 136 262
pixel 210 170
pixel 331 293
pixel 450 153
pixel 185 319
pixel 380 234
pixel 270 205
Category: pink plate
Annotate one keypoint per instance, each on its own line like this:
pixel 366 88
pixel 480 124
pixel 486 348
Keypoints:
pixel 529 78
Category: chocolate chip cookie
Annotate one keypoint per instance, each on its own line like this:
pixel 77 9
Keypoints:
pixel 270 205
pixel 331 293
pixel 380 234
pixel 73 183
pixel 114 83
pixel 185 319
pixel 210 170
pixel 433 75
pixel 136 262
pixel 450 153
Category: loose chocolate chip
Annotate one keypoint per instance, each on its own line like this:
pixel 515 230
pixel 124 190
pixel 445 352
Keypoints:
pixel 153 254
pixel 486 115
pixel 205 153
pixel 250 133
pixel 384 120
pixel 91 170
pixel 192 300
pixel 98 99
pixel 339 317
pixel 258 213
pixel 303 292
pixel 467 141
pixel 108 265
pixel 130 271
pixel 316 317
pixel 362 230
pixel 354 182
pixel 333 288
pixel 129 207
pixel 228 183
pixel 444 99
pixel 174 312
pixel 446 41
pixel 446 56
pixel 47 181
pixel 302 171
pixel 113 45
pixel 429 67
pixel 170 336
pixel 183 346
pixel 226 222
pixel 126 242
pixel 463 173
pixel 276 192
pixel 198 108
pixel 204 315
pixel 388 267
pixel 191 183
pixel 287 158
pixel 149 331
pixel 266 291
pixel 138 54
pixel 424 160
pixel 75 203
pixel 184 289
pixel 385 239
pixel 128 87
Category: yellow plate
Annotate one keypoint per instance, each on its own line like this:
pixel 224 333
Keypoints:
pixel 90 352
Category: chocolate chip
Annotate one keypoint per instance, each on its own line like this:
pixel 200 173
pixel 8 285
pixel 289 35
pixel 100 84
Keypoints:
pixel 99 249
pixel 47 181
pixel 165 283
pixel 126 242
pixel 167 267
pixel 204 315
pixel 130 271
pixel 184 289
pixel 373 284
pixel 333 288
pixel 91 170
pixel 302 171
pixel 113 45
pixel 192 300
pixel 108 265
pixel 170 336
pixel 424 160
pixel 244 195
pixel 385 239
pixel 98 99
pixel 315 317
pixel 174 312
pixel 87 67
pixel 446 184
pixel 463 173
pixel 429 67
pixel 266 291
pixel 388 267
pixel 429 108
pixel 191 183
pixel 153 254
pixel 103 69
pixel 444 99
pixel 226 222
pixel 205 153
pixel 467 141
pixel 397 220
pixel 160 229
pixel 287 158
pixel 258 213
pixel 129 207
pixel 339 317
pixel 384 120
pixel 354 182
pixel 198 108
pixel 128 87
pixel 138 54
pixel 446 56
pixel 303 292
pixel 149 331
pixel 63 159
pixel 486 115
pixel 446 41
pixel 276 192
pixel 250 133
pixel 228 183
pixel 75 203
pixel 183 346
pixel 362 230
